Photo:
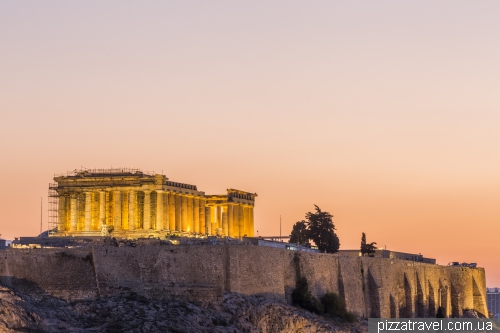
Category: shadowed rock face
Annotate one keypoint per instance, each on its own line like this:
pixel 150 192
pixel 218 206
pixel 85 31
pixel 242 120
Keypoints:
pixel 236 313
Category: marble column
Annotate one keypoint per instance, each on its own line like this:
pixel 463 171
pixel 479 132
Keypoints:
pixel 159 210
pixel 166 209
pixel 202 216
pixel 88 210
pixel 178 212
pixel 246 220
pixel 117 210
pixel 132 208
pixel 219 216
pixel 125 210
pixel 184 212
pixel 189 226
pixel 108 209
pixel 241 220
pixel 73 214
pixel 251 223
pixel 196 215
pixel 213 219
pixel 61 214
pixel 171 210
pixel 225 227
pixel 236 223
pixel 230 226
pixel 102 210
pixel 208 218
pixel 147 210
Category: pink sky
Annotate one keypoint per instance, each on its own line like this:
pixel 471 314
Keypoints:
pixel 386 114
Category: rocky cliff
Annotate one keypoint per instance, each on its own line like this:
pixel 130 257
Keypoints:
pixel 135 313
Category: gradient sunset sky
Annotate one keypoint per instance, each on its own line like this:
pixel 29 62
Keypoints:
pixel 385 114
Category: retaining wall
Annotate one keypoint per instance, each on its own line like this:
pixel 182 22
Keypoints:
pixel 371 287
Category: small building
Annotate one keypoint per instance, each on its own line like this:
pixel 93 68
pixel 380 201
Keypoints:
pixel 493 301
pixel 381 253
pixel 280 245
pixel 3 244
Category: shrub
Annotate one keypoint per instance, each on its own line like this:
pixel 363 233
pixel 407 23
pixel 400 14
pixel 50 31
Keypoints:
pixel 334 306
pixel 350 317
pixel 302 297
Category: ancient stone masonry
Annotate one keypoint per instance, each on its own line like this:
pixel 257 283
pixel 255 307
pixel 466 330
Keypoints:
pixel 371 287
pixel 132 203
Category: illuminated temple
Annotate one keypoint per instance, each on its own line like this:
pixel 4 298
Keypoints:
pixel 131 203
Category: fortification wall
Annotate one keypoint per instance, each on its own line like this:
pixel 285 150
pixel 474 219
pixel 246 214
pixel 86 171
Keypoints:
pixel 371 287
pixel 63 273
pixel 192 272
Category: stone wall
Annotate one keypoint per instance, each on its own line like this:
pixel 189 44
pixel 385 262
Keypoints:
pixel 371 287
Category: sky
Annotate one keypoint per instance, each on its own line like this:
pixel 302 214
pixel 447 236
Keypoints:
pixel 385 114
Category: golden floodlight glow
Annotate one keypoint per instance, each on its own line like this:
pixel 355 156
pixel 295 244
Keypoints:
pixel 132 203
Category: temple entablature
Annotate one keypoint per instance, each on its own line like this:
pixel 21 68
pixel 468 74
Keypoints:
pixel 237 194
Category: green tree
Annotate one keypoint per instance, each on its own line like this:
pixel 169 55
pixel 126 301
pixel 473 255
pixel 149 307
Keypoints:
pixel 299 233
pixel 322 230
pixel 367 248
pixel 363 243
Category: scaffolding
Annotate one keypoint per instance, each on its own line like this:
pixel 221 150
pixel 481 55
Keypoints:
pixel 53 210
pixel 85 171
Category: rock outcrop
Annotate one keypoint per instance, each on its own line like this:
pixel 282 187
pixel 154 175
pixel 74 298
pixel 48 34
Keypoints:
pixel 134 313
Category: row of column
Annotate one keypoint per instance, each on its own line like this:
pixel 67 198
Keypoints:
pixel 174 211
pixel 231 219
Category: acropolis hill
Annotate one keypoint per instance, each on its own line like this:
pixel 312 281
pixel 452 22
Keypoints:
pixel 133 233
pixel 204 271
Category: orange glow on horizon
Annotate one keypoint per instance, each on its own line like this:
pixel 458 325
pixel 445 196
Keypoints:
pixel 386 115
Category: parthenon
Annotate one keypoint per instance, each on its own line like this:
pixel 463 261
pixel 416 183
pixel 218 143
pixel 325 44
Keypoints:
pixel 131 203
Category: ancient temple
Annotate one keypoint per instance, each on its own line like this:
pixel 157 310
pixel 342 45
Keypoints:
pixel 131 203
